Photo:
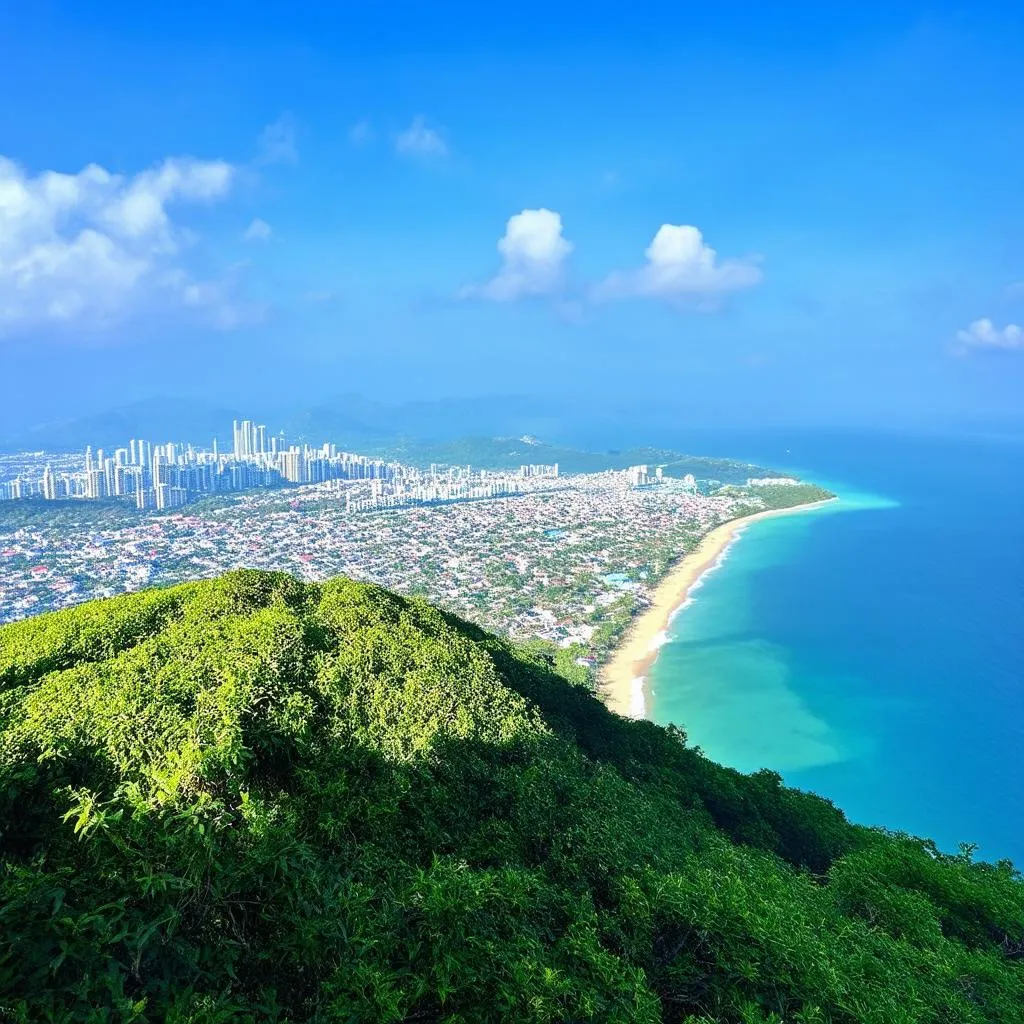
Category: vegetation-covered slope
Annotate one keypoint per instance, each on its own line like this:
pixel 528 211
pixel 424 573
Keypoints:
pixel 251 798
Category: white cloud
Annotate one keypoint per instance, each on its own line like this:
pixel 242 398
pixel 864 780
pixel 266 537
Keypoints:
pixel 984 334
pixel 680 266
pixel 87 247
pixel 138 210
pixel 361 133
pixel 534 253
pixel 278 142
pixel 259 230
pixel 418 140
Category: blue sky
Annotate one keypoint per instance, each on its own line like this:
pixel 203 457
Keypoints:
pixel 809 215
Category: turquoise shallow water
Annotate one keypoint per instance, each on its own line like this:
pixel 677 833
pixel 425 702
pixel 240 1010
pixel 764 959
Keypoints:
pixel 735 688
pixel 871 650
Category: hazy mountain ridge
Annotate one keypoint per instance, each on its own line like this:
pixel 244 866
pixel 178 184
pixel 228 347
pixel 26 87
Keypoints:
pixel 250 797
pixel 485 433
pixel 348 420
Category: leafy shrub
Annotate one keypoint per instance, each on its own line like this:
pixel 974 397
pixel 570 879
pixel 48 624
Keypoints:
pixel 251 798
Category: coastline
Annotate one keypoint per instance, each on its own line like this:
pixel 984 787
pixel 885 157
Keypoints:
pixel 623 678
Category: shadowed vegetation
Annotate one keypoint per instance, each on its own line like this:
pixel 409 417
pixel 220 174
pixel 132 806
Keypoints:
pixel 251 798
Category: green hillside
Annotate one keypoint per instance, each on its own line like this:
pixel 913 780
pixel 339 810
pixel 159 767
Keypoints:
pixel 255 799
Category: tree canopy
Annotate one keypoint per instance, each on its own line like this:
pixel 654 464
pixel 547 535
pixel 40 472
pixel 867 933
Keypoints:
pixel 252 798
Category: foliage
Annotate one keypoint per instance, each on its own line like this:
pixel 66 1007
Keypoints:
pixel 67 514
pixel 787 495
pixel 777 496
pixel 251 798
pixel 568 662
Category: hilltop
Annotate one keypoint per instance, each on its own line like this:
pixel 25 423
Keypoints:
pixel 252 798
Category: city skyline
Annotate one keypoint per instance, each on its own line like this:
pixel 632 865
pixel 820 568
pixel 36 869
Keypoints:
pixel 170 475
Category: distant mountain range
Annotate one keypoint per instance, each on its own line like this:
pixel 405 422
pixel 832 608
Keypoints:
pixel 348 420
pixel 489 433
pixel 166 419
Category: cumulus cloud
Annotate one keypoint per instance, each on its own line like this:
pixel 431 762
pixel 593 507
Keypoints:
pixel 419 140
pixel 258 231
pixel 680 266
pixel 87 246
pixel 534 253
pixel 278 142
pixel 983 334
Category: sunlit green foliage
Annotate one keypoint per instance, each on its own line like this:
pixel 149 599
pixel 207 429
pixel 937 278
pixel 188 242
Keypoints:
pixel 784 496
pixel 777 496
pixel 251 798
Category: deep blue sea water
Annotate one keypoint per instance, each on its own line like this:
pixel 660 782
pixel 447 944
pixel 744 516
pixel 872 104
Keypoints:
pixel 872 652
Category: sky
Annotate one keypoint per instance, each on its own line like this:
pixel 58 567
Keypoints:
pixel 796 214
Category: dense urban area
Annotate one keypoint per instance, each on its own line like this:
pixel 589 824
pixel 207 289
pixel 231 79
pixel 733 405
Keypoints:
pixel 537 554
pixel 170 475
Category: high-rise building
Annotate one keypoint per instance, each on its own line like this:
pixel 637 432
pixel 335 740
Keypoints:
pixel 292 465
pixel 95 484
pixel 246 441
pixel 49 484
pixel 637 475
pixel 160 468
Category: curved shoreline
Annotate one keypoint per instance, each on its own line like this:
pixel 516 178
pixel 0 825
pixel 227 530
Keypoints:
pixel 623 678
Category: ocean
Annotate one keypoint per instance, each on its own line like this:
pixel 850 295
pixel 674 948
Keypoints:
pixel 872 651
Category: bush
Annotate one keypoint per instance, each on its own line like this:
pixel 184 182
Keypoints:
pixel 250 798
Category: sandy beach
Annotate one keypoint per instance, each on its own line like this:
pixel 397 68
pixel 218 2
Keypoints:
pixel 623 678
